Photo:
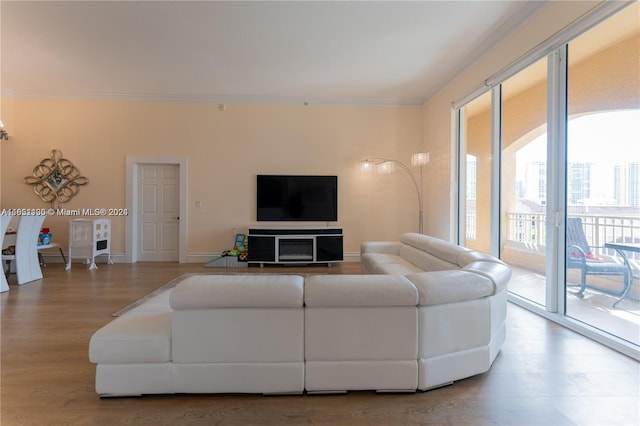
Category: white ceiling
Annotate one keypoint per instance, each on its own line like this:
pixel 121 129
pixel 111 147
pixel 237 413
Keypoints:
pixel 351 52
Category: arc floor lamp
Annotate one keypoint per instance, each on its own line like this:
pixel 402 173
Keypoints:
pixel 387 165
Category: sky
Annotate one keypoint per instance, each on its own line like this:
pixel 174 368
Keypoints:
pixel 610 137
pixel 604 139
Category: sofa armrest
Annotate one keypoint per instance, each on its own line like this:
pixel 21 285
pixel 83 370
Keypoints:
pixel 359 290
pixel 440 287
pixel 497 272
pixel 387 247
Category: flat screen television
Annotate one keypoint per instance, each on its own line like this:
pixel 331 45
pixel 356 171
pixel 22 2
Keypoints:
pixel 297 198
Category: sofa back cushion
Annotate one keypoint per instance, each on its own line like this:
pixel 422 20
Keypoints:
pixel 465 258
pixel 238 291
pixel 439 255
pixel 441 287
pixel 238 335
pixel 430 253
pixel 419 241
pixel 425 260
pixel 359 290
pixel 360 318
pixel 238 319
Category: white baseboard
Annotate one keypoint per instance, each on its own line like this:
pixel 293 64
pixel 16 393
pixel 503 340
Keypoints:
pixel 54 257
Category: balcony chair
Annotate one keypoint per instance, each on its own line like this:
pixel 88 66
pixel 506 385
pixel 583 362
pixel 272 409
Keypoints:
pixel 580 255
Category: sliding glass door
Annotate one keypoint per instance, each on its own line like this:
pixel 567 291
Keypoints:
pixel 603 176
pixel 556 143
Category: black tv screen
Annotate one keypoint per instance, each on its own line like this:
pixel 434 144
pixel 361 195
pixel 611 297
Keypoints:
pixel 297 198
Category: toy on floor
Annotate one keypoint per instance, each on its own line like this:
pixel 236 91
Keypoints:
pixel 239 246
pixel 239 250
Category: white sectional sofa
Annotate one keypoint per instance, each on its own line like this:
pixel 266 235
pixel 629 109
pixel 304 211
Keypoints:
pixel 398 327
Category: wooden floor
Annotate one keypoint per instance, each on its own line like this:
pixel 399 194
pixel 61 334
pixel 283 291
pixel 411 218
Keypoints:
pixel 545 374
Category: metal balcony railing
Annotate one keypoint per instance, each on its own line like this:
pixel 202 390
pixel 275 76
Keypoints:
pixel 531 228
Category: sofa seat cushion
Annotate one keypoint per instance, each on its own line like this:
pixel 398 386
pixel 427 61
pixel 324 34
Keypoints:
pixel 136 337
pixel 401 269
pixel 238 291
pixel 440 287
pixel 359 290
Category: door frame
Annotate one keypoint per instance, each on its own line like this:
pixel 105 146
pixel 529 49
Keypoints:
pixel 131 229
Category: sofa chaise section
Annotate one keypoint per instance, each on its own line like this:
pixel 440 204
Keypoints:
pixel 209 334
pixel 133 352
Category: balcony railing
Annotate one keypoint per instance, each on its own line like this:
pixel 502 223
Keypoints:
pixel 530 228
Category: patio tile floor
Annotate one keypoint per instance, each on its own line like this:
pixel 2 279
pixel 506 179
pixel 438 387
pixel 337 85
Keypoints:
pixel 595 309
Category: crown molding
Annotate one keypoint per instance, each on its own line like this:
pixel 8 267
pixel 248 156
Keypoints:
pixel 510 26
pixel 215 99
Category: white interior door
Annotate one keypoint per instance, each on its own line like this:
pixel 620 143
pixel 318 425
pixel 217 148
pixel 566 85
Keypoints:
pixel 158 212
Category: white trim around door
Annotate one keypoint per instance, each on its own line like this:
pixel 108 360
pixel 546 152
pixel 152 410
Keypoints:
pixel 131 231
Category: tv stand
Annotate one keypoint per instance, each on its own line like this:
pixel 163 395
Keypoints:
pixel 295 245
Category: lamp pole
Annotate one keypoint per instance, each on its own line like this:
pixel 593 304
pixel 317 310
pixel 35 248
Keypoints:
pixel 367 164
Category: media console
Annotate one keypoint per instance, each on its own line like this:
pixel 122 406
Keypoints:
pixel 295 245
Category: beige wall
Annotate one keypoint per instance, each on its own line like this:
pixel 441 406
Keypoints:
pixel 224 150
pixel 6 114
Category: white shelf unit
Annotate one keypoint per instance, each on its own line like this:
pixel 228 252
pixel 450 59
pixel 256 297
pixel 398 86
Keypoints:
pixel 295 245
pixel 89 238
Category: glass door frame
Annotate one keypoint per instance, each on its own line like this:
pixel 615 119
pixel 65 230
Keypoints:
pixel 556 211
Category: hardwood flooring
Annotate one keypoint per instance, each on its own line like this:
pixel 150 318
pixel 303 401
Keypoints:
pixel 545 374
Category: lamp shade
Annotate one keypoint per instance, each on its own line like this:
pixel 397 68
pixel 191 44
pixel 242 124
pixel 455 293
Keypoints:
pixel 385 167
pixel 366 165
pixel 420 158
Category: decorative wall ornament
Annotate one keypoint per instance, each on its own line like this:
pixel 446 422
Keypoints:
pixel 56 180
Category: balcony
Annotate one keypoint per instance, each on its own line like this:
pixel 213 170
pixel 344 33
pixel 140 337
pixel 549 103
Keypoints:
pixel 524 250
